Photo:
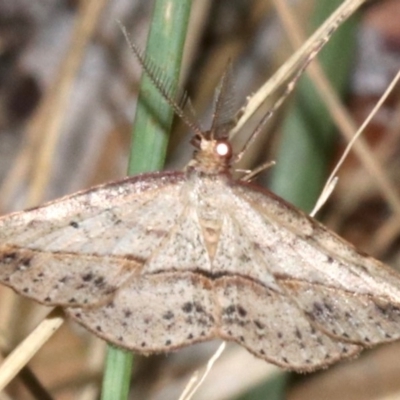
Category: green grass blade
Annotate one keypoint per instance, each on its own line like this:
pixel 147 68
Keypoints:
pixel 149 143
pixel 153 114
pixel 117 375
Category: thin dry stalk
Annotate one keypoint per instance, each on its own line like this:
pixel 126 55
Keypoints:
pixel 44 134
pixel 86 23
pixel 303 56
pixel 196 381
pixel 357 135
pixel 45 127
pixel 29 347
pixel 339 114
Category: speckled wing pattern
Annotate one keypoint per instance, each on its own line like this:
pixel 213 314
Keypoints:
pixel 162 260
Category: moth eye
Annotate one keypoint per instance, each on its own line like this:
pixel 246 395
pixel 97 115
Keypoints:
pixel 224 149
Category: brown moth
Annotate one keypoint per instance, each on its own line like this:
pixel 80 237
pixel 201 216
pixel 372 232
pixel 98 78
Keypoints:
pixel 167 259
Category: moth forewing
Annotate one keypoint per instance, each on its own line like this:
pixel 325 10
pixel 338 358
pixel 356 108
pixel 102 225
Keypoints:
pixel 163 260
pixel 77 250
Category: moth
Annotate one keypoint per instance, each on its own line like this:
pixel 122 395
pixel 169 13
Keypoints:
pixel 163 260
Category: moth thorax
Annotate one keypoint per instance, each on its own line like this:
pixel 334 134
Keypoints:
pixel 211 230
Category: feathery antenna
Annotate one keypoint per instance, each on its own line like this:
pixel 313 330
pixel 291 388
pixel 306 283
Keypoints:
pixel 161 82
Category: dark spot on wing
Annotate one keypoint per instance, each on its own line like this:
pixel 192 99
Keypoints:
pixel 168 315
pixel 98 328
pixel 197 314
pixel 259 324
pixel 241 311
pixel 109 290
pixel 205 321
pixel 9 257
pixel 198 307
pixel 244 258
pixel 363 267
pixel 24 263
pixel 99 281
pixel 317 309
pixel 63 279
pixel 390 311
pixel 167 342
pixel 236 315
pixel 321 311
pixel 298 334
pixel 74 224
pixel 87 277
pixel 127 313
pixel 230 310
pixel 187 307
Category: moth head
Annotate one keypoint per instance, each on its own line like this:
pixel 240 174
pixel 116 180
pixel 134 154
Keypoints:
pixel 212 156
pixel 222 149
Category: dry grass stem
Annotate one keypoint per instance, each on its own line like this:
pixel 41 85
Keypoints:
pixel 85 25
pixel 357 135
pixel 340 115
pixel 301 57
pixel 45 131
pixel 196 381
pixel 28 347
pixel 45 128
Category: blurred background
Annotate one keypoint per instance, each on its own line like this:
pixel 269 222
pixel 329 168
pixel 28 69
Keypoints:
pixel 68 87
